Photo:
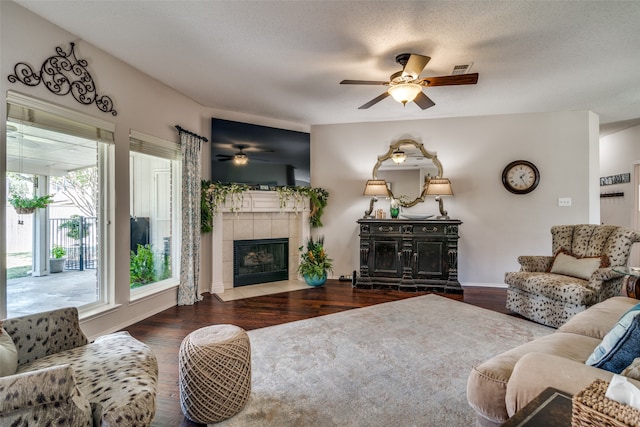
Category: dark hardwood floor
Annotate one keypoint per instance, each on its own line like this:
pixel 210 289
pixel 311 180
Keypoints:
pixel 165 331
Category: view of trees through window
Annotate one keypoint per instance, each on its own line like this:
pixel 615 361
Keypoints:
pixel 56 208
pixel 153 207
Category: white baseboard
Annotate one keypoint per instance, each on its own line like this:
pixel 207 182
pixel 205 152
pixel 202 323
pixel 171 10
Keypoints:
pixel 217 288
pixel 484 285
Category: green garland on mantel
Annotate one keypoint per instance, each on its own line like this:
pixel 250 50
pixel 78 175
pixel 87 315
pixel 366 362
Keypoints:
pixel 215 194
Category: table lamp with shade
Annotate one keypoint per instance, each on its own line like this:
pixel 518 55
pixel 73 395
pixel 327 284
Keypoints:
pixel 440 187
pixel 374 188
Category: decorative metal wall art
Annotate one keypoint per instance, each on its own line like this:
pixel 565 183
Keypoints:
pixel 621 178
pixel 63 74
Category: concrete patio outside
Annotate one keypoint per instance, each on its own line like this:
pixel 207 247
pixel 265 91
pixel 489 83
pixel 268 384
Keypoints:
pixel 27 295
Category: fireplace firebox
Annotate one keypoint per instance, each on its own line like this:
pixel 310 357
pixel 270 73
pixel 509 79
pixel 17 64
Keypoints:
pixel 260 261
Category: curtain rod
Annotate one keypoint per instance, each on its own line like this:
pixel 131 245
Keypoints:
pixel 180 129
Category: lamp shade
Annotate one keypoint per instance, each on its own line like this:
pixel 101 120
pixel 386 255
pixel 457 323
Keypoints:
pixel 405 92
pixel 439 187
pixel 375 187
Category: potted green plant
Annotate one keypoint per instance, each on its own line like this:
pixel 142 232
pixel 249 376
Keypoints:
pixel 314 262
pixel 27 205
pixel 57 260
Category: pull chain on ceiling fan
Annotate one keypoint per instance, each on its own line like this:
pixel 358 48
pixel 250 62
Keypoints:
pixel 405 85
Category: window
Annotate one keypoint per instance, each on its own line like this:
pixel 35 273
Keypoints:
pixel 154 213
pixel 55 151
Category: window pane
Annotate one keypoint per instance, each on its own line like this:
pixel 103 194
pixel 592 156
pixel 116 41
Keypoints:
pixel 153 215
pixel 52 254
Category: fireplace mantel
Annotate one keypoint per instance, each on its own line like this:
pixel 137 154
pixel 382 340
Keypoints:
pixel 259 216
pixel 265 201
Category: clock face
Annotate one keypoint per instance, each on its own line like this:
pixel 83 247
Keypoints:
pixel 520 177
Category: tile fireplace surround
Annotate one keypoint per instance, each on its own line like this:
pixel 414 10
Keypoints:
pixel 259 218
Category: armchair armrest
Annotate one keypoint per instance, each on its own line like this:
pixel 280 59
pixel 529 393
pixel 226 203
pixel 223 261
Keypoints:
pixel 41 334
pixel 606 273
pixel 48 394
pixel 535 263
pixel 605 282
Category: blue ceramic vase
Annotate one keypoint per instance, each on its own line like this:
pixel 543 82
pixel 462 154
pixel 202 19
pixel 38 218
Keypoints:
pixel 315 280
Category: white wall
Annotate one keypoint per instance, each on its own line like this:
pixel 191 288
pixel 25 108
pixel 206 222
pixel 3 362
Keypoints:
pixel 143 104
pixel 497 225
pixel 618 154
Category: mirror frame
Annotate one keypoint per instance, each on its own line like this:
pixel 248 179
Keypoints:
pixel 432 156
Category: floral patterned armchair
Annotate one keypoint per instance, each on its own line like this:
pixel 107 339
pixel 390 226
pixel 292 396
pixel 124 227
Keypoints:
pixel 552 289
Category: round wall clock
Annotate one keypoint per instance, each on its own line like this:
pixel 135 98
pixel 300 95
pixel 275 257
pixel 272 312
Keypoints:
pixel 520 177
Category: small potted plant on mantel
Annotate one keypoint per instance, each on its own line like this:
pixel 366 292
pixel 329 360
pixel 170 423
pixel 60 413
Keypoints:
pixel 314 262
pixel 27 205
pixel 56 262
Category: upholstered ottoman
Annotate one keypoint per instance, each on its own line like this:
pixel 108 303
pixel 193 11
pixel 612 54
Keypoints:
pixel 214 373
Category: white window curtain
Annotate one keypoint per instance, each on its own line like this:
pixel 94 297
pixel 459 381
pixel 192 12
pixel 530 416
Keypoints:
pixel 188 291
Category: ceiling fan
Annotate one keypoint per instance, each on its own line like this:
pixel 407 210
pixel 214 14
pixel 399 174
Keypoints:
pixel 241 158
pixel 405 86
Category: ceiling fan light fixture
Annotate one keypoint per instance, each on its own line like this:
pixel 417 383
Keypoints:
pixel 405 92
pixel 240 159
pixel 398 156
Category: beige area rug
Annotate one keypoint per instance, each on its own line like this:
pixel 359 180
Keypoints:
pixel 402 363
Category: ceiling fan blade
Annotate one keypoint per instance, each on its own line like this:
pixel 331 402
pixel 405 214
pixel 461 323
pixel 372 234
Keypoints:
pixel 424 101
pixel 363 82
pixel 415 65
pixel 374 101
pixel 461 79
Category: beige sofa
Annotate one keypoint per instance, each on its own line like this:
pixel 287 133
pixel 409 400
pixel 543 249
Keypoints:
pixel 500 386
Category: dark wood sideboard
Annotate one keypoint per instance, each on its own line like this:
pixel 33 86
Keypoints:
pixel 410 255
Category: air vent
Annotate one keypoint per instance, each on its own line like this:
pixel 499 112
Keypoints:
pixel 461 69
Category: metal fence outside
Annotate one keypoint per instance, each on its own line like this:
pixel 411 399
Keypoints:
pixel 78 236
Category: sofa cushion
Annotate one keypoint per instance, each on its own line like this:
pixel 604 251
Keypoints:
pixel 615 338
pixel 557 287
pixel 117 374
pixel 582 268
pixel 45 397
pixel 600 318
pixel 633 370
pixel 487 384
pixel 536 371
pixel 619 351
pixel 41 334
pixel 8 354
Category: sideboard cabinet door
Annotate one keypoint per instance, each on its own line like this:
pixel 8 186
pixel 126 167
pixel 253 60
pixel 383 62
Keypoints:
pixel 409 255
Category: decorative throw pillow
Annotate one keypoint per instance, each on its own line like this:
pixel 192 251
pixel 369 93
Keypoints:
pixel 621 345
pixel 633 370
pixel 8 354
pixel 568 265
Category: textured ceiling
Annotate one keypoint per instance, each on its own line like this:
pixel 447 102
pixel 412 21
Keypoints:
pixel 285 59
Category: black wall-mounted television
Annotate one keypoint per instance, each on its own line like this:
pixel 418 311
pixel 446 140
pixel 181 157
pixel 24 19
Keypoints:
pixel 275 157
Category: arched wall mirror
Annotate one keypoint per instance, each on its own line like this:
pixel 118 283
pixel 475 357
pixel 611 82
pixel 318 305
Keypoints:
pixel 407 167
